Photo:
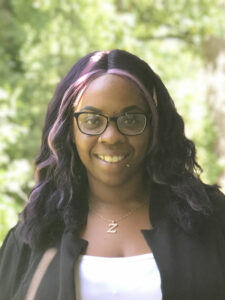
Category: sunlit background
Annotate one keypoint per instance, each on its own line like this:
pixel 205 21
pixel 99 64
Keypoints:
pixel 184 42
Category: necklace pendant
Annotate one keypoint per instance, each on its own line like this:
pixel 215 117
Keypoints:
pixel 112 227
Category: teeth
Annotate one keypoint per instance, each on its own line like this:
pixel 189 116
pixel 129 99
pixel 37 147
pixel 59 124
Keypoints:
pixel 111 159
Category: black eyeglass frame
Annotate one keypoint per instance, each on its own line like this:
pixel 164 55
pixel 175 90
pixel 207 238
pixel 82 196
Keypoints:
pixel 148 117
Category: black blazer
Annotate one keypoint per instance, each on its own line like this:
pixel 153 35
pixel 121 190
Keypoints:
pixel 192 267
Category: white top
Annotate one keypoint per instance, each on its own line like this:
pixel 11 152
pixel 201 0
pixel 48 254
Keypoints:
pixel 133 278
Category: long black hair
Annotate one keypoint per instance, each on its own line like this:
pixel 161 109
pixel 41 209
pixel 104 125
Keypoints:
pixel 59 201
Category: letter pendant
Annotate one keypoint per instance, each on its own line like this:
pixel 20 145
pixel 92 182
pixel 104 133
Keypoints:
pixel 112 227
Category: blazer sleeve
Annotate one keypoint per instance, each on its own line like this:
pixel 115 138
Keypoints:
pixel 10 254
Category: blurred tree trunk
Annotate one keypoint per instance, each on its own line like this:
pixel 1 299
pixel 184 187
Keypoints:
pixel 214 51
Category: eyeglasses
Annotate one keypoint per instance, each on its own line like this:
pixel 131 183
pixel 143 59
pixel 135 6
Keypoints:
pixel 95 124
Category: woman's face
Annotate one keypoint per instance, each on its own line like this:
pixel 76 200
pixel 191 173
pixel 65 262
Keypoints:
pixel 106 156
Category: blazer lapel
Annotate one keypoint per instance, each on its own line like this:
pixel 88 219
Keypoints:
pixel 71 248
pixel 58 282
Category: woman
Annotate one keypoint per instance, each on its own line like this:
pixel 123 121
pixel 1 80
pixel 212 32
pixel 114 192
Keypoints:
pixel 118 210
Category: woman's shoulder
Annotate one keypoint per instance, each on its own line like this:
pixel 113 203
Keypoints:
pixel 14 234
pixel 14 258
pixel 13 242
pixel 217 199
pixel 14 247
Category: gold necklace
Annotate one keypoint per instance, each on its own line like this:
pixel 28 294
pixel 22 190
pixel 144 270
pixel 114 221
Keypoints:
pixel 113 224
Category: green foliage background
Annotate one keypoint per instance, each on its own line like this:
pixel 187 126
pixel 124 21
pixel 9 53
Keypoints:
pixel 41 39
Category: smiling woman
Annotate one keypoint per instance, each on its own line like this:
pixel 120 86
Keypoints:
pixel 107 147
pixel 118 210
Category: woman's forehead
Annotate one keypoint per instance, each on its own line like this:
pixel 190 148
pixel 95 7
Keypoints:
pixel 110 91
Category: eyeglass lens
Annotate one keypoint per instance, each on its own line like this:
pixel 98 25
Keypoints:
pixel 129 124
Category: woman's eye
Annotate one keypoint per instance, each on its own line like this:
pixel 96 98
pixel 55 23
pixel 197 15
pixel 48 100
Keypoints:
pixel 92 121
pixel 129 120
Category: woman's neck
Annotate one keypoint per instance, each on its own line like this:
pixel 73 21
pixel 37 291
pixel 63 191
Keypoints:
pixel 115 198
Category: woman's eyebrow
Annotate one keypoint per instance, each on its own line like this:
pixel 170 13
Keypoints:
pixel 131 108
pixel 91 108
pixel 125 109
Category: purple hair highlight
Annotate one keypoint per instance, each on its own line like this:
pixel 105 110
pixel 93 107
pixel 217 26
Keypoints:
pixel 137 81
pixel 75 91
pixel 152 100
pixel 93 60
pixel 84 83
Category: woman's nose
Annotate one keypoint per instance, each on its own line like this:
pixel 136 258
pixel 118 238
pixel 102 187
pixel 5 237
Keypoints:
pixel 111 135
